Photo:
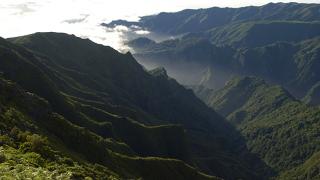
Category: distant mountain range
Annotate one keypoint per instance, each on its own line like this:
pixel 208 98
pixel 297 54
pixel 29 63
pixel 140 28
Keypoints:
pixel 220 43
pixel 212 65
pixel 256 66
pixel 199 20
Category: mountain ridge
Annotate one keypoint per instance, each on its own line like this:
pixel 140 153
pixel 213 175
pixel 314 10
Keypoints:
pixel 100 89
pixel 187 21
pixel 271 119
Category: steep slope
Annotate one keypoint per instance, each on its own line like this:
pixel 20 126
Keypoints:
pixel 36 142
pixel 188 21
pixel 111 95
pixel 308 170
pixel 195 61
pixel 313 95
pixel 299 60
pixel 282 130
pixel 152 140
pixel 259 41
pixel 189 60
pixel 256 33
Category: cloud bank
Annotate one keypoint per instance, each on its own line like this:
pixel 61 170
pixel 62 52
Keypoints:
pixel 83 17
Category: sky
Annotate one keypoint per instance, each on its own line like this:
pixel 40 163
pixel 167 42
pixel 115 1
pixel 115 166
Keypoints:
pixel 83 17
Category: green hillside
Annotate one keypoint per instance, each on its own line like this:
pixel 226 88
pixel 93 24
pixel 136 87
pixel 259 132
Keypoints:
pixel 282 130
pixel 256 33
pixel 308 170
pixel 233 93
pixel 110 96
pixel 36 142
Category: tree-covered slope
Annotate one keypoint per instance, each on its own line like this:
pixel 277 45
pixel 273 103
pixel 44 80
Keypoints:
pixel 257 33
pixel 282 130
pixel 308 170
pixel 39 143
pixel 112 96
pixel 188 21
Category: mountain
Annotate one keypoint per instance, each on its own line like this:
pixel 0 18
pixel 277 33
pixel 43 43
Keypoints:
pixel 190 60
pixel 308 170
pixel 282 130
pixel 37 142
pixel 104 108
pixel 256 66
pixel 216 44
pixel 195 61
pixel 191 21
pixel 261 33
pixel 298 60
pixel 313 95
pixel 81 135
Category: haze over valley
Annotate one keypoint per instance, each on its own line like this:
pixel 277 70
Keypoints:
pixel 168 90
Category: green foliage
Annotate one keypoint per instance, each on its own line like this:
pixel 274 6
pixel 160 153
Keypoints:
pixel 101 113
pixel 282 130
pixel 105 94
pixel 6 140
pixel 38 144
pixel 21 165
pixel 308 170
pixel 2 157
pixel 91 111
pixel 261 33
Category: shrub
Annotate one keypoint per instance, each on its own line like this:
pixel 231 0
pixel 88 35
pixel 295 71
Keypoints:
pixel 14 132
pixel 37 142
pixel 2 157
pixel 6 140
pixel 22 136
pixel 68 161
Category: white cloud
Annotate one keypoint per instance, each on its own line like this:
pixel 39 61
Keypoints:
pixel 142 32
pixel 82 17
pixel 121 28
pixel 77 20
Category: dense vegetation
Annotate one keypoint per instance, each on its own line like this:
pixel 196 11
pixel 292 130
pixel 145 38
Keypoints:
pixel 308 170
pixel 261 33
pixel 281 129
pixel 104 108
pixel 74 109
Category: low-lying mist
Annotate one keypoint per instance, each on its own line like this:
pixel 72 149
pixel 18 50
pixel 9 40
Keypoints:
pixel 190 73
pixel 123 34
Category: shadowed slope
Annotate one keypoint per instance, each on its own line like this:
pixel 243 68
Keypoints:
pixel 111 95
